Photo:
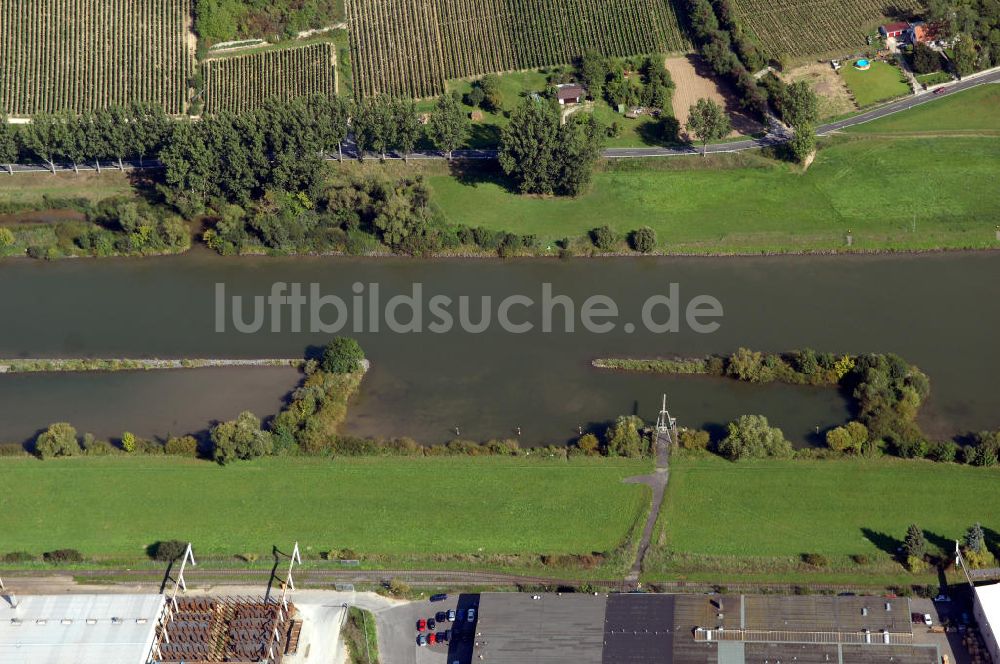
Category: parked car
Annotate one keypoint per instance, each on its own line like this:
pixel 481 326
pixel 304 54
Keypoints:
pixel 451 615
pixel 422 640
pixel 431 639
pixel 421 625
pixel 928 620
pixel 471 615
pixel 440 616
pixel 431 624
pixel 440 597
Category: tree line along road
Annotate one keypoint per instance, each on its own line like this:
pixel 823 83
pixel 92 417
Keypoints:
pixel 981 78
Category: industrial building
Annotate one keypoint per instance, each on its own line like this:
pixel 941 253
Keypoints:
pixel 986 608
pixel 78 629
pixel 641 628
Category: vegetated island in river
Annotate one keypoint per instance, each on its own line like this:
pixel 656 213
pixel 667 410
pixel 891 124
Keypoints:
pixel 35 365
pixel 887 391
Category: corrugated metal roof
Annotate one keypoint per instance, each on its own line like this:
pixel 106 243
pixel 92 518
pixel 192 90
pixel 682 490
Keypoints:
pixel 78 629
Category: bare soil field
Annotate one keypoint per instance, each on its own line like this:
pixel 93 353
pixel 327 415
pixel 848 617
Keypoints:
pixel 693 80
pixel 834 97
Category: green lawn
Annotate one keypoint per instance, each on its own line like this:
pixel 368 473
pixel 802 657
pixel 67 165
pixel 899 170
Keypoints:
pixel 745 203
pixel 422 507
pixel 973 111
pixel 515 85
pixel 760 516
pixel 883 81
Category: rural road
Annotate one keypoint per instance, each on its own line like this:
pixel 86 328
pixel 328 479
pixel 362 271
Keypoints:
pixel 923 97
pixel 658 483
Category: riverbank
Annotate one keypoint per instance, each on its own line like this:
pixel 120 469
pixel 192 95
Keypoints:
pixel 51 365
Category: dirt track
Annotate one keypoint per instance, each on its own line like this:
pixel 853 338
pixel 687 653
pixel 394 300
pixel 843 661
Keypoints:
pixel 693 81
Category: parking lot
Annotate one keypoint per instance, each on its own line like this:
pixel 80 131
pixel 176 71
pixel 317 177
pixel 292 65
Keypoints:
pixel 950 613
pixel 398 632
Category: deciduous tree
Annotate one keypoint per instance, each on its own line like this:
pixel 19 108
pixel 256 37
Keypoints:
pixel 408 127
pixel 707 122
pixel 752 437
pixel 58 440
pixel 241 438
pixel 449 126
pixel 342 355
pixel 528 147
pixel 8 143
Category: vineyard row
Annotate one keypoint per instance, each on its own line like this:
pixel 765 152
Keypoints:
pixel 802 28
pixel 410 47
pixel 87 54
pixel 243 82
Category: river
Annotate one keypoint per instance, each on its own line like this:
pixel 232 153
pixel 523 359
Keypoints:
pixel 938 311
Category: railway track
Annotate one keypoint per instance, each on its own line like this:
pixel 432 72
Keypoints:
pixel 328 577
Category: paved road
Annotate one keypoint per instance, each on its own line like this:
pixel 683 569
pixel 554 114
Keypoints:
pixel 982 78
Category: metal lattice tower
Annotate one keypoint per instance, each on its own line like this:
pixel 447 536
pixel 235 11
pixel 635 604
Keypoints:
pixel 666 425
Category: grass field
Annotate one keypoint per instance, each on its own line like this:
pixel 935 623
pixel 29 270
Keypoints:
pixel 118 505
pixel 971 111
pixel 745 203
pixel 881 82
pixel 770 510
pixel 32 189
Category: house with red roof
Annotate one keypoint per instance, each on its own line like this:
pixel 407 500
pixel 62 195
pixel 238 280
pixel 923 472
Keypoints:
pixel 896 29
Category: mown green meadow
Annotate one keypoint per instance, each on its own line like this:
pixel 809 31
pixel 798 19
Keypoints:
pixel 971 111
pixel 759 517
pixel 883 81
pixel 116 506
pixel 891 193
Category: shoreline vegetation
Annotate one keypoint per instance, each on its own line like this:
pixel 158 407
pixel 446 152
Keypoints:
pixel 886 394
pixel 53 365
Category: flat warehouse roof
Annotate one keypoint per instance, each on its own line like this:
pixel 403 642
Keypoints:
pixel 552 630
pixel 819 613
pixel 78 629
pixel 639 628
